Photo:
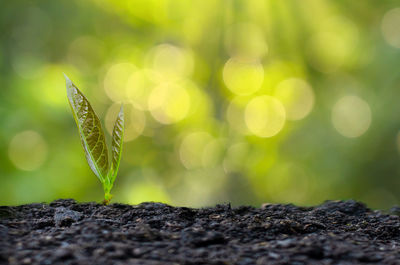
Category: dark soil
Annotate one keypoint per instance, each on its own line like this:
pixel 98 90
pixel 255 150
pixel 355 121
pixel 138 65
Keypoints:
pixel 67 232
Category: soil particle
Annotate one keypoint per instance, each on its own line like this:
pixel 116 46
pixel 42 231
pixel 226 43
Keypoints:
pixel 65 217
pixel 67 232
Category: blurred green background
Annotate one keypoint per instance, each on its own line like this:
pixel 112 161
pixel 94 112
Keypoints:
pixel 239 101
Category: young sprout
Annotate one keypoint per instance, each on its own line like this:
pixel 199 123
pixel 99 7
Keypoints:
pixel 93 140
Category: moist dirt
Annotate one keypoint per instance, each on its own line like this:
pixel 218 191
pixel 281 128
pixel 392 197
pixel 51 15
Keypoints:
pixel 67 232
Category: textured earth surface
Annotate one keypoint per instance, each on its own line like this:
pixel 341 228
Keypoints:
pixel 67 232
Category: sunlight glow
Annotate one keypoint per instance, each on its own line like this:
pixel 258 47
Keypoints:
pixel 192 148
pixel 28 150
pixel 390 27
pixel 351 116
pixel 48 84
pixel 243 77
pixel 296 96
pixel 139 87
pixel 265 116
pixel 146 192
pixel 135 120
pixel 169 103
pixel 116 79
pixel 171 61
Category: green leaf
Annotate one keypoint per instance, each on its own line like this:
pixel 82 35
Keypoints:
pixel 117 142
pixel 90 131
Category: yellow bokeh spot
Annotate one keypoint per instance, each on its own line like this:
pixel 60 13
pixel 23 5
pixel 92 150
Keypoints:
pixel 265 116
pixel 171 61
pixel 116 79
pixel 243 77
pixel 277 71
pixel 390 27
pixel 201 107
pixel 192 148
pixel 28 150
pixel 296 96
pixel 135 120
pixel 139 87
pixel 351 116
pixel 169 103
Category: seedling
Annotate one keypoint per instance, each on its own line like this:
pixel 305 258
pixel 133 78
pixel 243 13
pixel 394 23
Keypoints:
pixel 93 140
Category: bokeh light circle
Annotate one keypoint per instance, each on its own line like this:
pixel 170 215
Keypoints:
pixel 265 116
pixel 390 27
pixel 28 150
pixel 192 148
pixel 296 96
pixel 135 120
pixel 116 79
pixel 351 116
pixel 169 103
pixel 139 87
pixel 170 61
pixel 243 77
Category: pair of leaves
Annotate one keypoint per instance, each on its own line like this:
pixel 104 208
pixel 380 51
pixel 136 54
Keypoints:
pixel 93 139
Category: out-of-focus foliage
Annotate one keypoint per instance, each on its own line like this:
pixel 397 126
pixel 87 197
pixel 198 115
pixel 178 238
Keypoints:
pixel 240 101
